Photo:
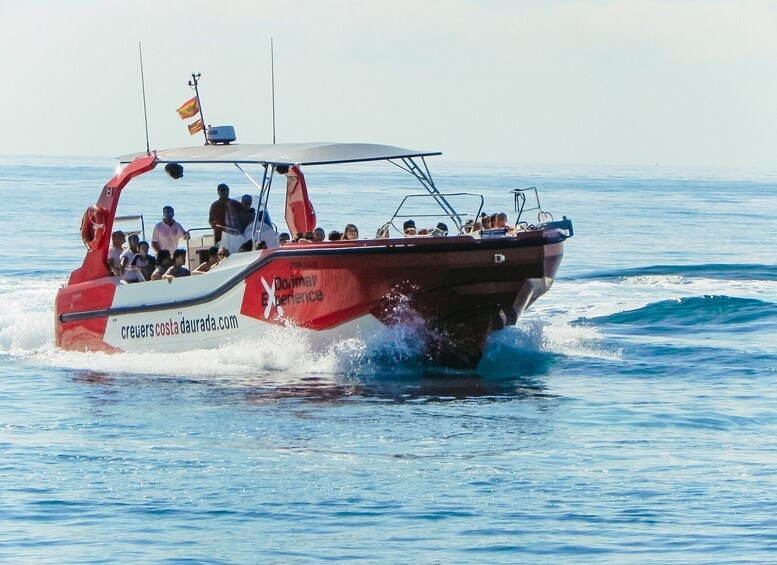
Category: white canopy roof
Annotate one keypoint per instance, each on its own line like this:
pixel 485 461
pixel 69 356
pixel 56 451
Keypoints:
pixel 284 153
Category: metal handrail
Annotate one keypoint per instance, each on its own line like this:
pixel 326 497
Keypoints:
pixel 448 211
pixel 520 205
pixel 131 218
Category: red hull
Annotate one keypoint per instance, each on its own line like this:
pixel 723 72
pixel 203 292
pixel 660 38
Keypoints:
pixel 462 288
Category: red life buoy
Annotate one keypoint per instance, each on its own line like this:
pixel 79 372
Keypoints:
pixel 93 227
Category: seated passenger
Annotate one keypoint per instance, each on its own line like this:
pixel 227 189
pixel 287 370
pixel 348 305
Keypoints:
pixel 485 220
pixel 212 260
pixel 143 264
pixel 222 254
pixel 319 235
pixel 248 246
pixel 440 230
pixel 335 235
pixel 126 258
pixel 409 225
pixel 284 238
pixel 177 269
pixel 501 221
pixel 163 262
pixel 350 233
pixel 115 251
pixel 472 227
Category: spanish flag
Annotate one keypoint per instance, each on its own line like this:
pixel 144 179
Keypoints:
pixel 189 108
pixel 196 126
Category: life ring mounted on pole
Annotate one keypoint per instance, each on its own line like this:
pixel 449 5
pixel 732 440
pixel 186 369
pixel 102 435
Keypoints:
pixel 93 227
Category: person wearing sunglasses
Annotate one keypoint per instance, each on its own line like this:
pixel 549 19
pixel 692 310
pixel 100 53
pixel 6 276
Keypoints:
pixel 167 232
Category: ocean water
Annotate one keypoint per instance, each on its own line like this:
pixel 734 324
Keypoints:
pixel 630 416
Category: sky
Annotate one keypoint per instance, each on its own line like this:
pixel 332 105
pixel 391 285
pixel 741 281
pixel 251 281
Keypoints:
pixel 640 82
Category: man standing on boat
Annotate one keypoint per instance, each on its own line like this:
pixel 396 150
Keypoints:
pixel 167 232
pixel 224 218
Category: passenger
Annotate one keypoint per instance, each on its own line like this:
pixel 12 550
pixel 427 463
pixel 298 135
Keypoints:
pixel 350 233
pixel 129 253
pixel 143 263
pixel 501 221
pixel 410 231
pixel 127 256
pixel 472 227
pixel 284 238
pixel 115 251
pixel 177 269
pixel 335 235
pixel 319 235
pixel 261 245
pixel 486 221
pixel 212 260
pixel 247 213
pixel 409 224
pixel 163 262
pixel 167 232
pixel 222 254
pixel 247 246
pixel 224 214
pixel 440 230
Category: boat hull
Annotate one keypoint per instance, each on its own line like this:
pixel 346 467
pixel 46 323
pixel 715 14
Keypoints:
pixel 458 288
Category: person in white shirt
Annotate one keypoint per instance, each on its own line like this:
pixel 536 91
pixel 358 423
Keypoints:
pixel 167 232
pixel 114 252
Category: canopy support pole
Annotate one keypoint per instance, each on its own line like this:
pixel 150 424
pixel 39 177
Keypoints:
pixel 425 178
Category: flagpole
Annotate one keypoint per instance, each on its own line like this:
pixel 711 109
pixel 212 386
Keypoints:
pixel 143 87
pixel 193 84
pixel 272 78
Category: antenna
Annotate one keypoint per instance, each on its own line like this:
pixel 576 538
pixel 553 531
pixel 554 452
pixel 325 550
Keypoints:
pixel 193 84
pixel 272 79
pixel 143 86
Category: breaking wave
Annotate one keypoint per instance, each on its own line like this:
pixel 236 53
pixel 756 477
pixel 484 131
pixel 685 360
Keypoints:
pixel 709 312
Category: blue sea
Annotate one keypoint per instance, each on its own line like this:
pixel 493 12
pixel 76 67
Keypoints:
pixel 629 417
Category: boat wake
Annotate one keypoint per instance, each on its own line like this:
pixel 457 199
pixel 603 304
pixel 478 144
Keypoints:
pixel 585 318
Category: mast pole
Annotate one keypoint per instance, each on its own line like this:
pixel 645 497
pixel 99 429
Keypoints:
pixel 193 83
pixel 143 87
pixel 272 80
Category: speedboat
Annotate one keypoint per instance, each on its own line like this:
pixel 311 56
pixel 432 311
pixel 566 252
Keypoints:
pixel 457 285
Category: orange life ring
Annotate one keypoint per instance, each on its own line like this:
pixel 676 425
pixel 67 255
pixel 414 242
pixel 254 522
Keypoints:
pixel 93 227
